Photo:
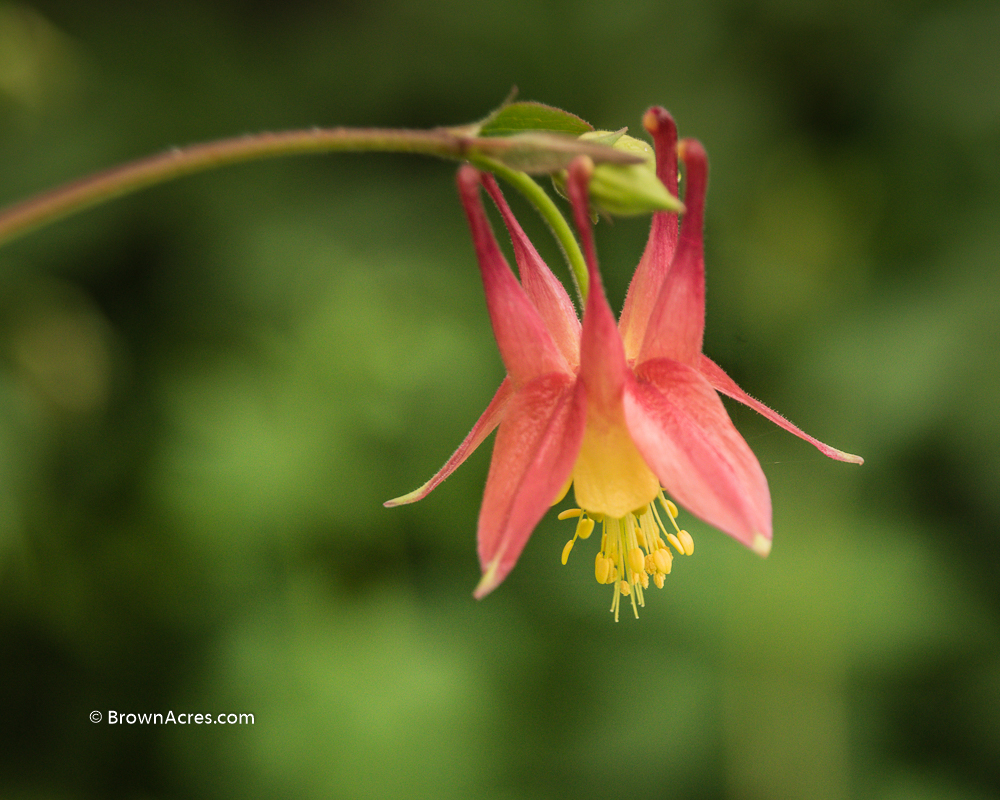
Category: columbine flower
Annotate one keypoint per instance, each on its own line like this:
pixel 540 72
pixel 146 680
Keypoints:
pixel 620 411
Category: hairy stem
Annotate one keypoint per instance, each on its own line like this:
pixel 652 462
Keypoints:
pixel 50 206
pixel 535 152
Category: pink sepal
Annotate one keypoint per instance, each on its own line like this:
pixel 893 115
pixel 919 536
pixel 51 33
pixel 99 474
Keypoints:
pixel 484 426
pixel 681 428
pixel 533 456
pixel 721 382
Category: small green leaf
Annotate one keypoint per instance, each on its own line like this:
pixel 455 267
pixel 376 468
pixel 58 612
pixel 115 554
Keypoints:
pixel 526 116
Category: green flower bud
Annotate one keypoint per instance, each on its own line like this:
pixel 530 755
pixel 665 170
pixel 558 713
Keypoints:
pixel 624 189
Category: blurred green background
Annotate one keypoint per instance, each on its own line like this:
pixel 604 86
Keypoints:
pixel 208 389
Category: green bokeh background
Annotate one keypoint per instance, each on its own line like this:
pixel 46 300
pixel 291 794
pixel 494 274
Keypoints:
pixel 208 389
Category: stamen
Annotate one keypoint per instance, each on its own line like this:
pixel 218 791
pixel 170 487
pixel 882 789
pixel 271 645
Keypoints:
pixel 566 549
pixel 671 511
pixel 602 568
pixel 671 508
pixel 656 517
pixel 633 551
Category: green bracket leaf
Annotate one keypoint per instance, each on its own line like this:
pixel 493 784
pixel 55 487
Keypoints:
pixel 524 116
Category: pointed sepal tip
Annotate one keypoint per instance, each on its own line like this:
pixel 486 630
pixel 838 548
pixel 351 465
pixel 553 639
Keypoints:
pixel 489 581
pixel 761 545
pixel 409 497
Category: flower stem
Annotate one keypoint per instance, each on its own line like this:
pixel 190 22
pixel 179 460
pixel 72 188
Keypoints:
pixel 536 152
pixel 540 199
pixel 63 201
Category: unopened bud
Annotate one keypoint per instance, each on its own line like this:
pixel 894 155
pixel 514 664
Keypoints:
pixel 624 189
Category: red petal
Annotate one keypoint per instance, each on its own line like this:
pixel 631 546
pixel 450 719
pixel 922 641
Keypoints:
pixel 682 430
pixel 525 346
pixel 541 286
pixel 662 242
pixel 535 450
pixel 721 382
pixel 484 427
pixel 677 323
pixel 603 369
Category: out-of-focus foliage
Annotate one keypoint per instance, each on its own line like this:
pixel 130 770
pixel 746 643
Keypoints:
pixel 207 390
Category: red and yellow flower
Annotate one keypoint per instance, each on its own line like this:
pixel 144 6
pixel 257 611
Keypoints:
pixel 621 411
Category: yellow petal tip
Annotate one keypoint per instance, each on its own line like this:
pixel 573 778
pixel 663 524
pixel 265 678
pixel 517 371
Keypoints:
pixel 840 455
pixel 488 582
pixel 409 497
pixel 761 545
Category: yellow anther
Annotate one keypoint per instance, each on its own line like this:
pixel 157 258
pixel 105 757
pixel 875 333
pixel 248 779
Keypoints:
pixel 566 549
pixel 634 548
pixel 636 560
pixel 602 568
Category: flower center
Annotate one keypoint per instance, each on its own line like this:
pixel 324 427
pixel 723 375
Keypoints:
pixel 610 476
pixel 632 548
